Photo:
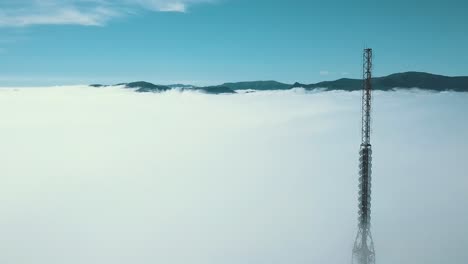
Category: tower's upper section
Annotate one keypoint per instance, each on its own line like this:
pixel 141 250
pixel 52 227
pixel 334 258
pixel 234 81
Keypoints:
pixel 366 97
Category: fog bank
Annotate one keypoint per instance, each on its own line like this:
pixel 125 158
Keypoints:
pixel 110 176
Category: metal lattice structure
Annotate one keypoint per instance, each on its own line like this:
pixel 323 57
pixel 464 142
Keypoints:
pixel 363 251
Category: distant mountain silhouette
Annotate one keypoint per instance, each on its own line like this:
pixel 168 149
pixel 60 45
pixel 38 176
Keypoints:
pixel 143 87
pixel 181 86
pixel 220 89
pixel 406 80
pixel 258 85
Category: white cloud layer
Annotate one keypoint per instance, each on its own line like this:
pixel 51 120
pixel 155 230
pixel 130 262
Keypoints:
pixel 106 175
pixel 59 16
pixel 81 12
pixel 167 5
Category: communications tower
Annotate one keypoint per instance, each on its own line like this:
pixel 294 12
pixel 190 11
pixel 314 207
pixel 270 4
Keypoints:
pixel 363 251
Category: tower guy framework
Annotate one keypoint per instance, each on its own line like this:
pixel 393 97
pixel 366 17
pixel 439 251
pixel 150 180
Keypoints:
pixel 363 251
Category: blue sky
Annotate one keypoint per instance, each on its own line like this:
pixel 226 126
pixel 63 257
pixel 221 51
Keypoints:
pixel 53 42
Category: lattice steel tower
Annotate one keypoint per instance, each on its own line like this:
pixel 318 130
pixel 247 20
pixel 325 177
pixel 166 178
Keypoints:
pixel 363 251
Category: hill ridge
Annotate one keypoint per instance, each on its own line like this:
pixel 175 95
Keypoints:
pixel 402 80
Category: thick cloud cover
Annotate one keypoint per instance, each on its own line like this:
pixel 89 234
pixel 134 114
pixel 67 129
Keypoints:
pixel 96 176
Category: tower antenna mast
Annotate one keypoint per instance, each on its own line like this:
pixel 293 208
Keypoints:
pixel 363 251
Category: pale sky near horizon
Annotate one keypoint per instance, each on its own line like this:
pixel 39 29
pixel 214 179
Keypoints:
pixel 52 42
